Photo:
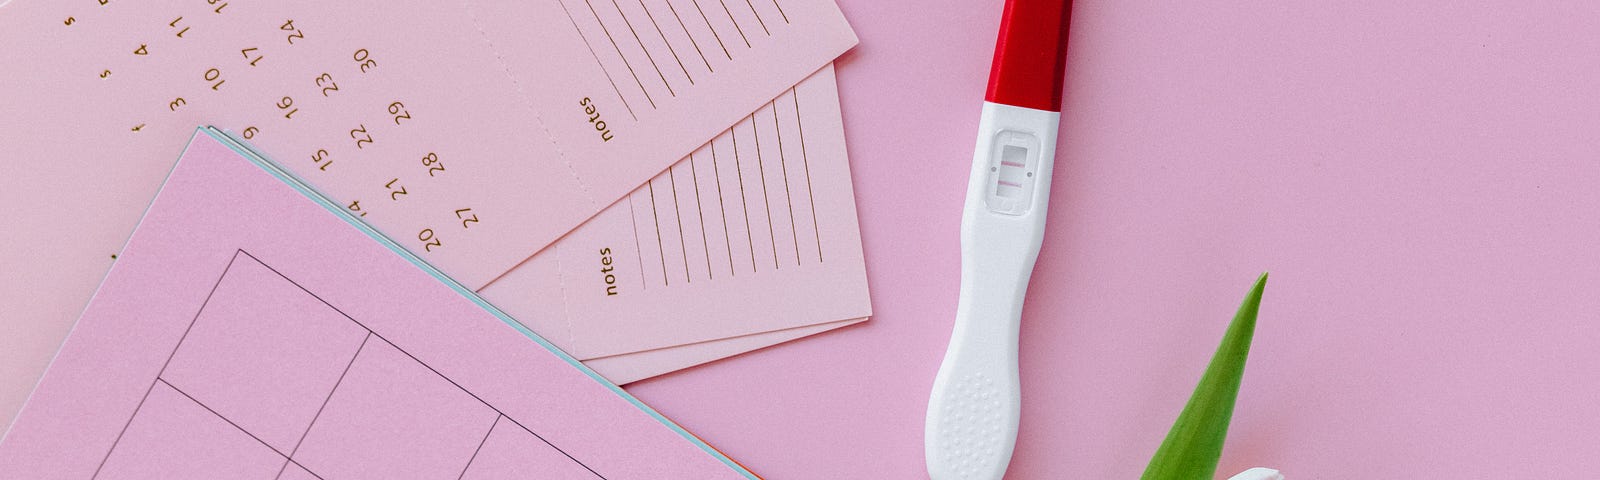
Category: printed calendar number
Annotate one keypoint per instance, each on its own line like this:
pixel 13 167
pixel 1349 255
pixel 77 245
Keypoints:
pixel 174 24
pixel 399 111
pixel 431 160
pixel 429 240
pixel 362 140
pixel 326 82
pixel 395 192
pixel 246 53
pixel 288 26
pixel 321 159
pixel 364 60
pixel 215 76
pixel 287 104
pixel 466 216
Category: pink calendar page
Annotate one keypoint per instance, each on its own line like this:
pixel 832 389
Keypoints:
pixel 249 331
pixel 490 128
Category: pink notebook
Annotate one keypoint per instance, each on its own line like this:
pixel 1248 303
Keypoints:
pixel 250 331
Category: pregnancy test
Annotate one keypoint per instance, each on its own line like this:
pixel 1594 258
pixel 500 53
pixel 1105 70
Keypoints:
pixel 976 403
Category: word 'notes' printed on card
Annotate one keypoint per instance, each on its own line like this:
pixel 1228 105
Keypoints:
pixel 750 240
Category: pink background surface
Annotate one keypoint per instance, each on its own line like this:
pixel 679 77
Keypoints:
pixel 1420 177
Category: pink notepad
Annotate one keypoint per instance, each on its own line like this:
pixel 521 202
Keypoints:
pixel 250 331
pixel 749 241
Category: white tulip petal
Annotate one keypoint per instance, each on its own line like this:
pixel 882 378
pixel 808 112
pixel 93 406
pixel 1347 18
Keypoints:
pixel 1258 473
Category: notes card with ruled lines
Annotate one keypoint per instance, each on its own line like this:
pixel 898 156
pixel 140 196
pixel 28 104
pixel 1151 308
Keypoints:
pixel 750 240
pixel 252 330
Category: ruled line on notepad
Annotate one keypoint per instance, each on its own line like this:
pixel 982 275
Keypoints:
pixel 618 49
pixel 659 248
pixel 646 49
pixel 788 198
pixel 780 11
pixel 596 56
pixel 622 23
pixel 766 200
pixel 722 207
pixel 713 29
pixel 677 215
pixel 763 23
pixel 664 40
pixel 800 124
pixel 744 201
pixel 748 143
pixel 735 21
pixel 699 208
pixel 692 41
pixel 638 249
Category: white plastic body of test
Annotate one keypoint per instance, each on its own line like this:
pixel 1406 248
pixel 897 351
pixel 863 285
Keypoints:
pixel 976 403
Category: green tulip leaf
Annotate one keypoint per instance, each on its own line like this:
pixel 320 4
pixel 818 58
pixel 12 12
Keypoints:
pixel 1194 444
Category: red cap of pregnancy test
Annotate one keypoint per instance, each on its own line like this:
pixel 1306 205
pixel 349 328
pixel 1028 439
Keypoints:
pixel 1030 59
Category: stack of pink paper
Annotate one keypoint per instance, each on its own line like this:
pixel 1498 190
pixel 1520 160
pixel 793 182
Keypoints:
pixel 648 184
